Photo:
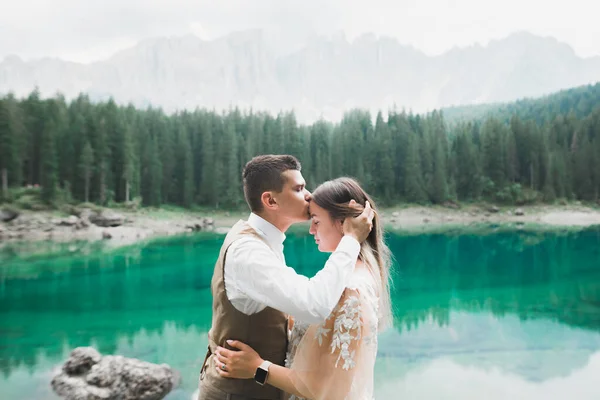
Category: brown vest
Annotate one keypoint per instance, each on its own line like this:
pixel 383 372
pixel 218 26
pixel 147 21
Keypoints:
pixel 265 331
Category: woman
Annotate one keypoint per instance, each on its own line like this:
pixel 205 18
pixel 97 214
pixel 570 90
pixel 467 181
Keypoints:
pixel 335 359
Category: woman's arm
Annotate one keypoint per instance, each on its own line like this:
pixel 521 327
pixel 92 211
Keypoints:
pixel 334 361
pixel 242 364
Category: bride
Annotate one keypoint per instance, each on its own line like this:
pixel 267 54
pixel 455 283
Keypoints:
pixel 334 359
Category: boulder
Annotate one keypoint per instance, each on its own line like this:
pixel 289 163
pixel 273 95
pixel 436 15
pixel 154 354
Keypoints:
pixel 493 209
pixel 451 204
pixel 82 224
pixel 8 214
pixel 84 218
pixel 86 213
pixel 81 360
pixel 203 224
pixel 519 212
pixel 195 227
pixel 208 222
pixel 72 220
pixel 107 219
pixel 106 235
pixel 87 375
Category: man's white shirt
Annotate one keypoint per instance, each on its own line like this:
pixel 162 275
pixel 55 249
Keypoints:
pixel 256 276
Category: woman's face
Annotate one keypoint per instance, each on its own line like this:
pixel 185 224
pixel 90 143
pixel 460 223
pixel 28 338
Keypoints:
pixel 326 231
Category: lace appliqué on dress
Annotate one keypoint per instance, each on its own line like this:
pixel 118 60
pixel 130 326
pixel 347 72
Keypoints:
pixel 339 351
pixel 346 328
pixel 296 335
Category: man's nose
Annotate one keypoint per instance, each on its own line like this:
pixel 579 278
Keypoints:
pixel 307 195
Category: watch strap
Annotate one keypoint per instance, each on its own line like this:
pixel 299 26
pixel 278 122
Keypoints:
pixel 262 372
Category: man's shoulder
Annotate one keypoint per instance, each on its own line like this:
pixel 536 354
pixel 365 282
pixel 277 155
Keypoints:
pixel 244 239
pixel 246 242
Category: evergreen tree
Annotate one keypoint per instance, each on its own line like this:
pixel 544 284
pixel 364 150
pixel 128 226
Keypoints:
pixel 439 187
pixel 466 166
pixel 86 167
pixel 128 162
pixel 383 173
pixel 413 186
pixel 212 166
pixel 185 169
pixel 11 129
pixel 49 163
pixel 493 152
pixel 549 193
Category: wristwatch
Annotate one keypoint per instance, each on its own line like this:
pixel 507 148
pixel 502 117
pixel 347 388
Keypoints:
pixel 262 372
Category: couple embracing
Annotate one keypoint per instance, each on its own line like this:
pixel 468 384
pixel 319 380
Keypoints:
pixel 279 335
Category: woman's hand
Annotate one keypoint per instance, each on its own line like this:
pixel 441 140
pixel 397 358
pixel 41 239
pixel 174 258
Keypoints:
pixel 240 364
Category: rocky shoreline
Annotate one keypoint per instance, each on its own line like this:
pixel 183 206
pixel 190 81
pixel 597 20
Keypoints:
pixel 549 216
pixel 122 227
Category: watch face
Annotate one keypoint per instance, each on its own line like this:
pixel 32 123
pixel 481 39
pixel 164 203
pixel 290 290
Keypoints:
pixel 260 376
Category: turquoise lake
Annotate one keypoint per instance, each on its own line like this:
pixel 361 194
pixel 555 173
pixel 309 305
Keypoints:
pixel 497 315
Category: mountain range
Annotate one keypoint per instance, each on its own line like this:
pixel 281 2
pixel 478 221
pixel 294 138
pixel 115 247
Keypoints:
pixel 321 79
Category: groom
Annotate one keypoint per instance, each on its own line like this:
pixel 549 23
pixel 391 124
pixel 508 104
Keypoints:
pixel 253 289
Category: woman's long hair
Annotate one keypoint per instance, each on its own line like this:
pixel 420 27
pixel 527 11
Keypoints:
pixel 334 196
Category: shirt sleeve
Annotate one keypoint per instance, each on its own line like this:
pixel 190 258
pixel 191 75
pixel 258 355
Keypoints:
pixel 262 277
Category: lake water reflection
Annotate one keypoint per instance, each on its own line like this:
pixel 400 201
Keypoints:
pixel 498 315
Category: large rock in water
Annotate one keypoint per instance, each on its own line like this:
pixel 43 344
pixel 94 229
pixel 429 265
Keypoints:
pixel 107 219
pixel 87 375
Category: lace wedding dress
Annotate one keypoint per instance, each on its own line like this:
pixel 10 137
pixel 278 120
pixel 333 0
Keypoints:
pixel 335 360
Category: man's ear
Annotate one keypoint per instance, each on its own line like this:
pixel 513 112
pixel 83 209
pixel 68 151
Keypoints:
pixel 268 201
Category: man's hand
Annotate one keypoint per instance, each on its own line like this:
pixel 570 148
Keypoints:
pixel 359 227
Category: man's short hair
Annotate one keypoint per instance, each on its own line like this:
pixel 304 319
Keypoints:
pixel 265 173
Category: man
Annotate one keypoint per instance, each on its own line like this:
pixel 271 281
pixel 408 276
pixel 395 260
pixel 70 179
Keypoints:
pixel 253 289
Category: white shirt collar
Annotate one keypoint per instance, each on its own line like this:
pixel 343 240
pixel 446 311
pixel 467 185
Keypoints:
pixel 273 235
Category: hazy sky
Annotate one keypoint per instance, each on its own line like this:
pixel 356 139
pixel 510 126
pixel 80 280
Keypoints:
pixel 88 30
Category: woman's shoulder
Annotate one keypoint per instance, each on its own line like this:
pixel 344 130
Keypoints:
pixel 362 280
